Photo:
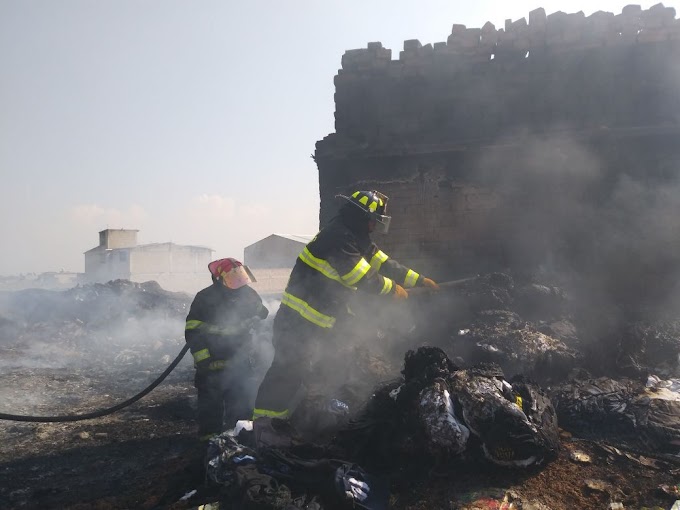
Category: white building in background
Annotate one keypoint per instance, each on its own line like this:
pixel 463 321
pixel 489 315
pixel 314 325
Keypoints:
pixel 272 259
pixel 175 267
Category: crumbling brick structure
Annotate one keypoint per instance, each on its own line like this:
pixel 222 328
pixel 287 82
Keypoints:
pixel 515 147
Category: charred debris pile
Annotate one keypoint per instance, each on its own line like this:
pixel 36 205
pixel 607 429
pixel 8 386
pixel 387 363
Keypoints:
pixel 493 368
pixel 112 326
pixel 610 371
pixel 481 373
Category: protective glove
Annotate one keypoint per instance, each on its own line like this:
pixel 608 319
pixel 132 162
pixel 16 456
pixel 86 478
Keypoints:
pixel 431 284
pixel 399 292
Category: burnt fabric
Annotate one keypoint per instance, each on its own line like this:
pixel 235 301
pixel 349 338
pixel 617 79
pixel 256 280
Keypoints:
pixel 437 407
pixel 218 331
pixel 645 417
pixel 296 477
pixel 516 424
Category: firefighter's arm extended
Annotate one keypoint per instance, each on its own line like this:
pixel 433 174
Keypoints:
pixel 356 272
pixel 402 275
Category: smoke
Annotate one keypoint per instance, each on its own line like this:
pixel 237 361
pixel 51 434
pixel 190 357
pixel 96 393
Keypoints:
pixel 61 351
pixel 602 216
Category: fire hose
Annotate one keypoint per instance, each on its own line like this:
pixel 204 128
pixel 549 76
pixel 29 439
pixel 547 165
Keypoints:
pixel 101 412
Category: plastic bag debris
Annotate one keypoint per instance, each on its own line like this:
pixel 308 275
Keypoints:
pixel 336 406
pixel 241 425
pixel 443 429
pixel 358 490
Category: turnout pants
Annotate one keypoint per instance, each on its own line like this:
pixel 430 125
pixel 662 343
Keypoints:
pixel 222 399
pixel 296 342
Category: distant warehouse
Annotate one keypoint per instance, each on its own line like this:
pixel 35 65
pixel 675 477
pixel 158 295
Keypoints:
pixel 271 260
pixel 175 267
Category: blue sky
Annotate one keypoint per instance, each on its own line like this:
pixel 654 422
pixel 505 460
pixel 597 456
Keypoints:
pixel 193 121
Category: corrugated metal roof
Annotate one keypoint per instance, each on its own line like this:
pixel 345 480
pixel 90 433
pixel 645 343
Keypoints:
pixel 301 238
pixel 149 245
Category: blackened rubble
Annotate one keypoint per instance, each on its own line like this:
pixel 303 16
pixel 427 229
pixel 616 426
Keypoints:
pixel 409 427
pixel 438 407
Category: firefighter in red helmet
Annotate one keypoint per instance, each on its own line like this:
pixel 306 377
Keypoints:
pixel 339 261
pixel 218 331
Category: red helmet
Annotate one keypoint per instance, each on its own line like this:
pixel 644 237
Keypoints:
pixel 231 272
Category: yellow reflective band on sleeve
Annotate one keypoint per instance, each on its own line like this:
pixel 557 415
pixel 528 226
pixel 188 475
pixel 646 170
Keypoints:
pixel 307 312
pixel 201 355
pixel 356 274
pixel 387 286
pixel 266 413
pixel 411 279
pixel 378 259
pixel 193 325
pixel 217 365
pixel 215 330
pixel 518 401
pixel 322 266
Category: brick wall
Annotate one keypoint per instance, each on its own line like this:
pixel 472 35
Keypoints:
pixel 518 160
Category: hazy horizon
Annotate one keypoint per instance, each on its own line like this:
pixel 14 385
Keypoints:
pixel 191 122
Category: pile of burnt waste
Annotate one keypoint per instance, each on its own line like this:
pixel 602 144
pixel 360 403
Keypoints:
pixel 119 323
pixel 613 373
pixel 435 413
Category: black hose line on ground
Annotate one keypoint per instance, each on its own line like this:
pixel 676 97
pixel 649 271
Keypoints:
pixel 102 412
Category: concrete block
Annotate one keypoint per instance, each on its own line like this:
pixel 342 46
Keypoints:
pixel 412 44
pixel 631 10
pixel 537 17
pixel 488 27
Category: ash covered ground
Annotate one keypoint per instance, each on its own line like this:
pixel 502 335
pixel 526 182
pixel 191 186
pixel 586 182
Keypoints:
pixel 610 376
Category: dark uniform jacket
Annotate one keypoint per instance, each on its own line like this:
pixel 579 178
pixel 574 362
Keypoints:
pixel 219 322
pixel 335 264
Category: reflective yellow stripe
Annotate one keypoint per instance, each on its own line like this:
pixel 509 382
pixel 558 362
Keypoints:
pixel 518 401
pixel 262 413
pixel 378 259
pixel 215 330
pixel 387 286
pixel 217 365
pixel 411 278
pixel 356 274
pixel 307 312
pixel 193 325
pixel 201 355
pixel 364 200
pixel 321 265
pixel 355 194
pixel 227 331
